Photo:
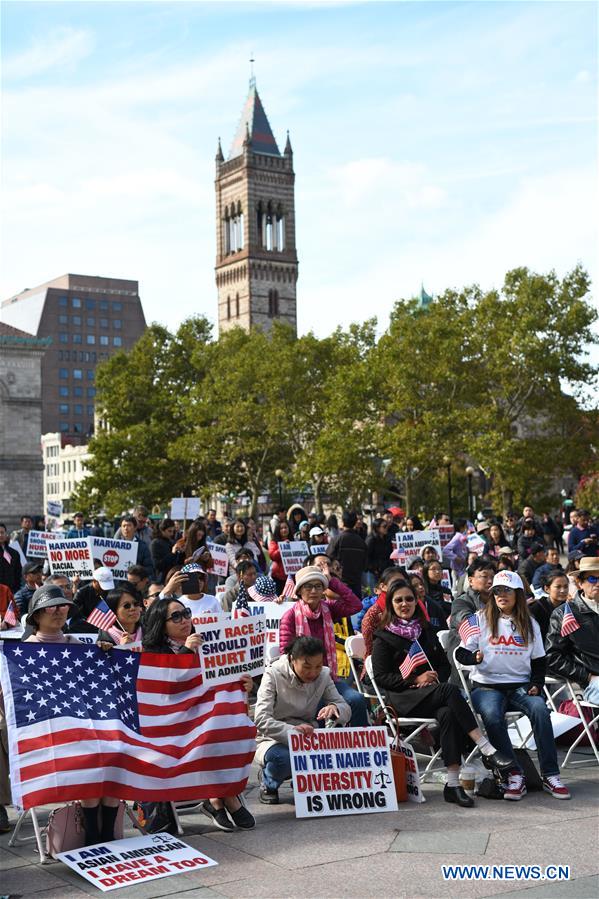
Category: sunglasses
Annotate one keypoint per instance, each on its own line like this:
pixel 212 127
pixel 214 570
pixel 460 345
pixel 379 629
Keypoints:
pixel 136 604
pixel 591 579
pixel 500 590
pixel 178 617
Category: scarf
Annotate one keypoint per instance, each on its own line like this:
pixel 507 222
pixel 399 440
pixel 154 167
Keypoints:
pixel 411 630
pixel 60 637
pixel 175 645
pixel 303 614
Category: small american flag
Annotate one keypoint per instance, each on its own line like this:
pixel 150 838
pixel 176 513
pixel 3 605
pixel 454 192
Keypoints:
pixel 289 588
pixel 416 656
pixel 469 628
pixel 102 617
pixel 10 616
pixel 84 723
pixel 569 622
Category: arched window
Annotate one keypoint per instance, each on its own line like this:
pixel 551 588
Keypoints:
pixel 233 229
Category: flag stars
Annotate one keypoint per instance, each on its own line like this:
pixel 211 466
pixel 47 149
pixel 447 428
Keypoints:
pixel 31 716
pixel 28 696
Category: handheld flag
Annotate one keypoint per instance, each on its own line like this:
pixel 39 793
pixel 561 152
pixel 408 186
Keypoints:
pixel 569 622
pixel 289 588
pixel 101 617
pixel 469 628
pixel 10 616
pixel 416 656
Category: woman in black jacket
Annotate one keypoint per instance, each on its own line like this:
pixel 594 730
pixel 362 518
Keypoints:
pixel 378 549
pixel 165 552
pixel 423 692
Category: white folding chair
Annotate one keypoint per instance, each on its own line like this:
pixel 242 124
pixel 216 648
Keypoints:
pixel 355 648
pixel 553 687
pixel 443 638
pixel 587 728
pixel 417 725
pixel 272 654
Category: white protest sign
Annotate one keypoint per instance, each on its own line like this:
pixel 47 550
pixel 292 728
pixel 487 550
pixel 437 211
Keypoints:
pixel 476 544
pixel 73 558
pixel 293 553
pixel 410 543
pixel 54 508
pixel 12 633
pixel 36 545
pixel 273 612
pixel 219 592
pixel 86 638
pixel 415 793
pixel 446 580
pixel 183 508
pixel 219 557
pixel 231 648
pixel 120 863
pixel 119 555
pixel 446 532
pixel 319 549
pixel 342 771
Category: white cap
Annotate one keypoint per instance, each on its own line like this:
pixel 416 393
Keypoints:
pixel 315 531
pixel 105 578
pixel 508 579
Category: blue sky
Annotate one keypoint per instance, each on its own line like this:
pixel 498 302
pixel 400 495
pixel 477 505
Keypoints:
pixel 435 142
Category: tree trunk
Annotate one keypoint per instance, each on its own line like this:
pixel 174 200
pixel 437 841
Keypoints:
pixel 507 500
pixel 316 485
pixel 408 481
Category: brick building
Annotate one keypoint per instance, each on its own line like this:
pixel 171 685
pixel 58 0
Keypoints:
pixel 21 465
pixel 87 319
pixel 256 258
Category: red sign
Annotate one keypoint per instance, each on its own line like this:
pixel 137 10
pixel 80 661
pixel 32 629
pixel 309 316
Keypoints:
pixel 110 558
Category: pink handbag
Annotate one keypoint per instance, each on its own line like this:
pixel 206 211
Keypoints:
pixel 66 829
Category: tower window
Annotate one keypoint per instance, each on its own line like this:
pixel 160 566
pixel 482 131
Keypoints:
pixel 273 303
pixel 237 306
pixel 233 229
pixel 229 308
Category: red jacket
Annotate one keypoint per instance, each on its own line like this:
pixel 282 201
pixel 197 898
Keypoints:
pixel 278 572
pixel 346 605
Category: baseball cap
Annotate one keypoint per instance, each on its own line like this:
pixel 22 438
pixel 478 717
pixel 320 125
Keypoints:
pixel 105 578
pixel 505 551
pixel 315 531
pixel 508 579
pixel 192 568
pixel 30 567
pixel 482 526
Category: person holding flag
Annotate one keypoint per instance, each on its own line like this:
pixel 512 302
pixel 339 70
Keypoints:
pixel 504 642
pixel 409 664
pixel 573 636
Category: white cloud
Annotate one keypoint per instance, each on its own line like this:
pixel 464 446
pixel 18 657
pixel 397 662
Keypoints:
pixel 62 47
pixel 382 182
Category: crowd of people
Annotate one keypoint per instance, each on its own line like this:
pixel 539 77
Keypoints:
pixel 502 605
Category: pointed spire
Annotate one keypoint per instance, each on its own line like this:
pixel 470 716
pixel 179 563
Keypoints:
pixel 424 299
pixel 219 152
pixel 254 128
pixel 288 151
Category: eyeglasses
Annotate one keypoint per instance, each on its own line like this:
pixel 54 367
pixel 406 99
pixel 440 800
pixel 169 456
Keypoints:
pixel 318 588
pixel 591 578
pixel 178 617
pixel 500 590
pixel 136 604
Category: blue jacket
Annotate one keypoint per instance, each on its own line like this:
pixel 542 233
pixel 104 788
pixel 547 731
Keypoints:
pixel 79 532
pixel 144 556
pixel 23 598
pixel 577 535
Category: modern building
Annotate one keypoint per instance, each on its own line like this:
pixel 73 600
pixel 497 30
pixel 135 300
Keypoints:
pixel 256 258
pixel 21 466
pixel 64 469
pixel 88 319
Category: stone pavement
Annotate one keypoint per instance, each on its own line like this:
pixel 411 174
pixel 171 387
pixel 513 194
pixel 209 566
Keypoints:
pixel 398 855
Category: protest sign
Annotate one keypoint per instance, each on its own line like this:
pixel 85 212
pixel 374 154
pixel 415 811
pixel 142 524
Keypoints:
pixel 231 648
pixel 319 550
pixel 410 543
pixel 86 638
pixel 36 545
pixel 342 771
pixel 293 554
pixel 185 507
pixel 73 558
pixel 415 794
pixel 219 592
pixel 476 544
pixel 273 612
pixel 120 863
pixel 219 557
pixel 12 633
pixel 446 532
pixel 54 508
pixel 446 580
pixel 119 555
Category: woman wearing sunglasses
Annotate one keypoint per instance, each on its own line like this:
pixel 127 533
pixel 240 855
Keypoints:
pixel 168 628
pixel 127 605
pixel 504 642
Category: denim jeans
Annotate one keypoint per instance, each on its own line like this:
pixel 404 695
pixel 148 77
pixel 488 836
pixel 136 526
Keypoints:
pixel 356 702
pixel 492 706
pixel 591 692
pixel 277 766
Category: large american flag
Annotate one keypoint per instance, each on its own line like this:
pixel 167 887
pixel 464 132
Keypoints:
pixel 84 723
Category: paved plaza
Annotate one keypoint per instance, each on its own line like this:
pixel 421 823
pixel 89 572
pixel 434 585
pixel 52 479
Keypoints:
pixel 393 854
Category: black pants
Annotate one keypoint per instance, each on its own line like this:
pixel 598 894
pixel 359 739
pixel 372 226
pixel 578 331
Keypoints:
pixel 455 718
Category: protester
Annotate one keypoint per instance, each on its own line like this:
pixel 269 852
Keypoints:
pixel 295 516
pixel 350 550
pixel 429 553
pixel 213 526
pixel 552 564
pixel 239 538
pixel 154 593
pixel 281 534
pixel 421 690
pixel 33 576
pixel 10 562
pixel 143 531
pixel 413 523
pixel 536 558
pixel 128 531
pixel 303 532
pixel 22 535
pixel 504 644
pixel 432 576
pixel 573 637
pixel 317 537
pixel 528 537
pixel 379 547
pixel 87 597
pixel 78 530
pixel 246 574
pixel 480 573
pixel 313 615
pixel 437 612
pixel 455 553
pixel 584 535
pixel 168 629
pixel 164 550
pixel 495 539
pixel 296 693
pixel 194 595
pixel 137 577
pixel 555 592
pixel 127 605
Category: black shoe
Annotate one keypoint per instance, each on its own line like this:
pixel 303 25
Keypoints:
pixel 218 816
pixel 269 797
pixel 457 795
pixel 243 819
pixel 5 825
pixel 498 762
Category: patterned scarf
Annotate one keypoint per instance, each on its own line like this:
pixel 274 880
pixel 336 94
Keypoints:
pixel 175 645
pixel 303 613
pixel 411 630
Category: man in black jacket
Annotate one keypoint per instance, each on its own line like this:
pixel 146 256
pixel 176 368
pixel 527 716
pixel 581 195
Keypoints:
pixel 10 562
pixel 573 644
pixel 350 550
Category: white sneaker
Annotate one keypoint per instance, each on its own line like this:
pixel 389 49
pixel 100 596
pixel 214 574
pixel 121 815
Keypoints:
pixel 554 786
pixel 516 787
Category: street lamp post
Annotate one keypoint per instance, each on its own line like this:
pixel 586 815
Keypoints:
pixel 279 475
pixel 470 472
pixel 447 463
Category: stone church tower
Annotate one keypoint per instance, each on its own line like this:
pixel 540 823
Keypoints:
pixel 256 259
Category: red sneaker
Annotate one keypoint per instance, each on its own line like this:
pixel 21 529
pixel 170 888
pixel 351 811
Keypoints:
pixel 554 786
pixel 516 787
